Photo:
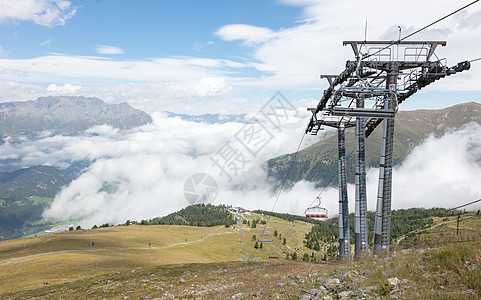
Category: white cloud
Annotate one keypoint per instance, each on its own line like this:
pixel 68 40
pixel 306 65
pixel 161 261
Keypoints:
pixel 247 33
pixel 104 49
pixel 90 70
pixel 427 178
pixel 441 178
pixel 201 46
pixel 441 172
pixel 469 20
pixel 143 164
pixel 66 89
pixel 150 186
pixel 14 91
pixel 295 56
pixel 43 12
pixel 46 42
pixel 211 87
pixel 104 130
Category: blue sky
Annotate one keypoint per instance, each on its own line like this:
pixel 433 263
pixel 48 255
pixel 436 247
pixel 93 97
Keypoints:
pixel 144 29
pixel 213 56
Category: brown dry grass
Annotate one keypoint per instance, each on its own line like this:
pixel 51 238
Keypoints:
pixel 68 256
pixel 206 281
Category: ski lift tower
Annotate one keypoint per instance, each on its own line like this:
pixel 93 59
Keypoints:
pixel 383 75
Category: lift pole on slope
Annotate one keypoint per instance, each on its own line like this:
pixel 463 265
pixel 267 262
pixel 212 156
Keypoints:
pixel 360 213
pixel 344 233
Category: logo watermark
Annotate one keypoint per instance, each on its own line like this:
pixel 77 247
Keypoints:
pixel 200 188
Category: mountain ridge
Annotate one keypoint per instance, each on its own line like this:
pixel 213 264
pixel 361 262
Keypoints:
pixel 318 162
pixel 210 118
pixel 66 115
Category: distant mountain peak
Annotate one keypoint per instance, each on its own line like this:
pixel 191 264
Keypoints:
pixel 57 102
pixel 68 115
pixel 210 118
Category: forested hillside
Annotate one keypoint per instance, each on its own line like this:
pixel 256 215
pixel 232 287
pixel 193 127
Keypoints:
pixel 403 221
pixel 318 163
pixel 323 236
pixel 24 194
pixel 196 215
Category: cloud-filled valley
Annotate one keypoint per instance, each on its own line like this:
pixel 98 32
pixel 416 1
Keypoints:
pixel 140 173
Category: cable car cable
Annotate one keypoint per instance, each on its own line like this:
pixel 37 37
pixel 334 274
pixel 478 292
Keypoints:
pixel 464 205
pixel 330 180
pixel 419 30
pixel 284 181
pixel 421 216
pixel 439 20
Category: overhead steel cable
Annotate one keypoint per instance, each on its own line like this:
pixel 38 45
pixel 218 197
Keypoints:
pixel 439 20
pixel 465 241
pixel 326 186
pixel 473 60
pixel 421 216
pixel 449 230
pixel 330 180
pixel 419 30
pixel 284 181
pixel 464 205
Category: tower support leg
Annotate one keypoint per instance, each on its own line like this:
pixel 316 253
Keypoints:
pixel 344 234
pixel 360 215
pixel 382 225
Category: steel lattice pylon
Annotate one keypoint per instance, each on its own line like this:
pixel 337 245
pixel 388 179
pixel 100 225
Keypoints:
pixel 360 218
pixel 344 233
pixel 383 75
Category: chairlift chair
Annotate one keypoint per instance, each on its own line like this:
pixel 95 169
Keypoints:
pixel 274 255
pixel 316 212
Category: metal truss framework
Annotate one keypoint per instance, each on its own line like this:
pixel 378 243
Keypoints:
pixel 344 233
pixel 383 75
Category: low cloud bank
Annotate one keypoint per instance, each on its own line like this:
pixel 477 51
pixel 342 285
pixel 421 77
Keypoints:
pixel 441 172
pixel 140 173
